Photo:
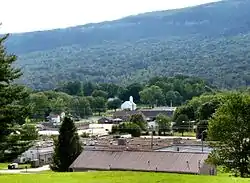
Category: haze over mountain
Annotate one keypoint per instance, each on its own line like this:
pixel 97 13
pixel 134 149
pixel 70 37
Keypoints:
pixel 211 41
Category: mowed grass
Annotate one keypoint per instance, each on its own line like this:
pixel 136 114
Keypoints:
pixel 3 166
pixel 116 177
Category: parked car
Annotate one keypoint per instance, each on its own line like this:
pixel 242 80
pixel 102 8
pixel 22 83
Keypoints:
pixel 13 166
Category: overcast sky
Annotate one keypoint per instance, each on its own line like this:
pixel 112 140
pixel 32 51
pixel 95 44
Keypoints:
pixel 31 15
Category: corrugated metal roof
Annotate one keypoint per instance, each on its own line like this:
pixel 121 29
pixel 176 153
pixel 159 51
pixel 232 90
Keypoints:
pixel 139 161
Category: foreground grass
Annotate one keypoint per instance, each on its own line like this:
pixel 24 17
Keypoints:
pixel 116 177
pixel 3 166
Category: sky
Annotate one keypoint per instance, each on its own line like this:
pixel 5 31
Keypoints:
pixel 32 15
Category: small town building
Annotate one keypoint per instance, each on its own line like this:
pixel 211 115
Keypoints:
pixel 56 119
pixel 129 105
pixel 43 154
pixel 125 115
pixel 109 120
pixel 150 161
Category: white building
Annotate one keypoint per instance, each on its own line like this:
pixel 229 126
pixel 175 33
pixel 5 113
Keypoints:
pixel 129 104
pixel 42 153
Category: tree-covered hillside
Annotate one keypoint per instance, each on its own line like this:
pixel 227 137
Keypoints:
pixel 210 41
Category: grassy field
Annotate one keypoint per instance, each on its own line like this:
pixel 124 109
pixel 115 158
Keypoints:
pixel 116 177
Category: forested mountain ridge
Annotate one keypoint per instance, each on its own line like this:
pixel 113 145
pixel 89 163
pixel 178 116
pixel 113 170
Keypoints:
pixel 211 41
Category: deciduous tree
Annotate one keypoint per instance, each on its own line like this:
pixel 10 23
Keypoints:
pixel 230 128
pixel 164 123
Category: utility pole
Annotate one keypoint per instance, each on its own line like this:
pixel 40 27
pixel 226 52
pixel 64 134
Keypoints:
pixel 202 141
pixel 38 155
pixel 202 136
pixel 152 137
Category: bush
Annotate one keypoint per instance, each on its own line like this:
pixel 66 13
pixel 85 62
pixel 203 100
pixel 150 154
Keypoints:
pixel 130 128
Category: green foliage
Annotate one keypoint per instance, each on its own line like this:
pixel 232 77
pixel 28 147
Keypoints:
pixel 127 128
pixel 208 109
pixel 201 130
pixel 182 124
pixel 114 103
pixel 99 105
pixel 186 110
pixel 139 120
pixel 152 95
pixel 230 128
pixel 67 146
pixel 80 106
pixel 21 139
pixel 12 111
pixel 164 123
pixel 99 93
pixel 195 41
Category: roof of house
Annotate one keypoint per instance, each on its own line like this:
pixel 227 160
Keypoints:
pixel 154 113
pixel 175 162
pixel 125 113
pixel 105 118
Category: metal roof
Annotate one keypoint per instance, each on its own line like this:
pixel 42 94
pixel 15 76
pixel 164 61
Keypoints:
pixel 139 161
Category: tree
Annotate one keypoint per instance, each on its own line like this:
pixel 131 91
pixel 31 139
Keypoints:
pixel 132 90
pixel 114 104
pixel 128 127
pixel 181 124
pixel 207 110
pixel 40 105
pixel 99 93
pixel 164 123
pixel 201 131
pixel 139 120
pixel 230 129
pixel 186 110
pixel 21 139
pixel 80 106
pixel 12 111
pixel 99 105
pixel 67 146
pixel 152 95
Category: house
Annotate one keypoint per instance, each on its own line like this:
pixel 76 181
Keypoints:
pixel 150 161
pixel 129 105
pixel 151 114
pixel 56 119
pixel 109 120
pixel 125 115
pixel 42 154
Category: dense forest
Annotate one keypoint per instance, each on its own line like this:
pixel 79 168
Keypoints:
pixel 209 41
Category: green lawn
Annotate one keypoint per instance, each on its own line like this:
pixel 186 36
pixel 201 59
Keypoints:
pixel 116 177
pixel 3 166
pixel 185 134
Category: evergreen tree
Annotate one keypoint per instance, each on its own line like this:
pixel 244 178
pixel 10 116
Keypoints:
pixel 12 112
pixel 67 146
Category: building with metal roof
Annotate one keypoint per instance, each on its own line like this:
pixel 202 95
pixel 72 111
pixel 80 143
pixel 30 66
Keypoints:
pixel 150 161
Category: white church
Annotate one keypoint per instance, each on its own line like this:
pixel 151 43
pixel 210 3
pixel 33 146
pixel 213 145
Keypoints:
pixel 129 105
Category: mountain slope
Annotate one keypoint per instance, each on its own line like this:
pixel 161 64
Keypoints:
pixel 210 41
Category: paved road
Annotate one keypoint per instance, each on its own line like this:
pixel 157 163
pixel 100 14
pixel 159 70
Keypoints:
pixel 29 170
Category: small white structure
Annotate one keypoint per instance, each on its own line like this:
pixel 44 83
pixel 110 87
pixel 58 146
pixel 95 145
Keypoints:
pixel 129 104
pixel 43 154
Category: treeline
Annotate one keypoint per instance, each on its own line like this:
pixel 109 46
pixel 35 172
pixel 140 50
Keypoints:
pixel 83 99
pixel 200 110
pixel 158 90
